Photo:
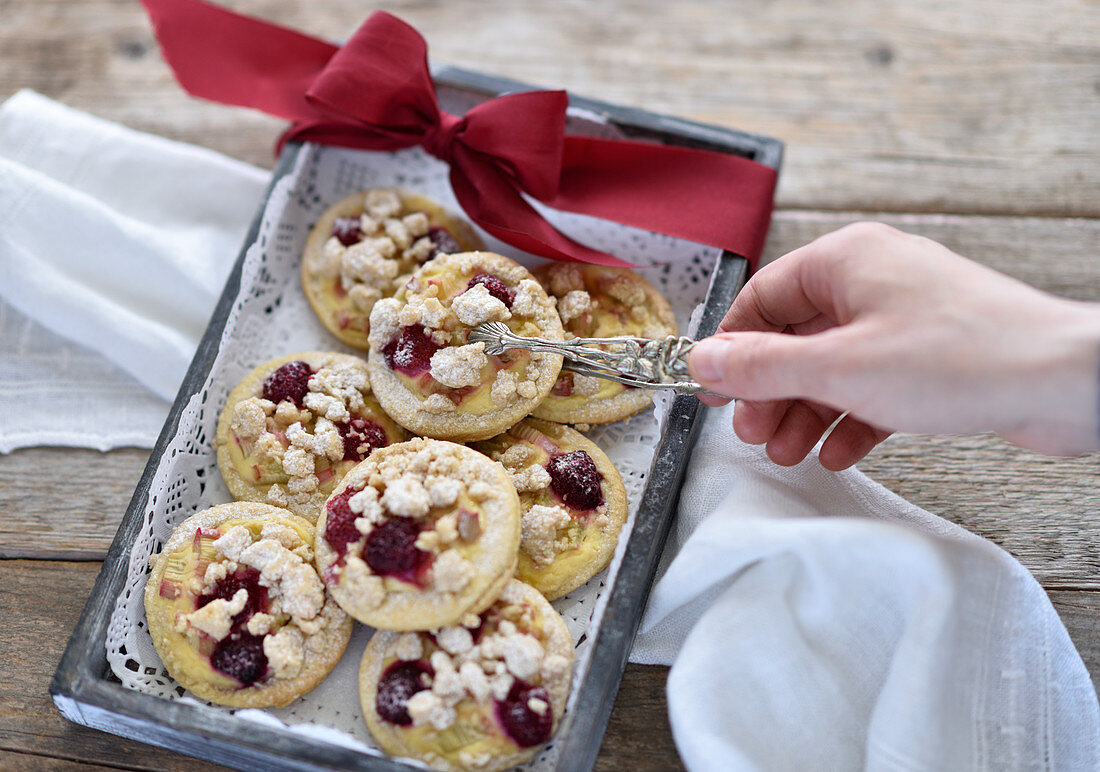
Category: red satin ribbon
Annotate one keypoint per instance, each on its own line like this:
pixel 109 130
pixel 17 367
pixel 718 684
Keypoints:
pixel 376 93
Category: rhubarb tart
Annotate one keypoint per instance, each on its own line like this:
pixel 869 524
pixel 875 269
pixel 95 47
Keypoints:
pixel 365 246
pixel 483 695
pixel 291 430
pixel 600 302
pixel 572 500
pixel 419 535
pixel 236 610
pixel 428 376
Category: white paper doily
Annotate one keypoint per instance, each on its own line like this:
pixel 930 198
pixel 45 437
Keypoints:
pixel 270 318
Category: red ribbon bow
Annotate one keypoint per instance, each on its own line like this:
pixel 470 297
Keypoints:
pixel 376 93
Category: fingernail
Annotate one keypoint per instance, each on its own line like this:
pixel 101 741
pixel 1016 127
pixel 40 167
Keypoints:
pixel 705 362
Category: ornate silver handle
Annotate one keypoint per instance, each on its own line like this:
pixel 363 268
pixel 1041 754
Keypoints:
pixel 643 363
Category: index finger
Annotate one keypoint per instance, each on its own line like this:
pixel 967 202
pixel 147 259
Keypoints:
pixel 793 291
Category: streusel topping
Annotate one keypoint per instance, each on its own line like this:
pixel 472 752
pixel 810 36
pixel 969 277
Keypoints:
pixel 417 519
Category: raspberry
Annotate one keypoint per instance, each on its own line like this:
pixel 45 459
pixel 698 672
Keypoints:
pixel 444 242
pixel 241 657
pixel 289 382
pixel 576 480
pixel 400 681
pixel 361 437
pixel 496 287
pixel 391 548
pixel 522 724
pixel 242 579
pixel 340 530
pixel 411 352
pixel 347 230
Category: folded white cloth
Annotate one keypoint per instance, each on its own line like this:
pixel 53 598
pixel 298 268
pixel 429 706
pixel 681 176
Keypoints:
pixel 817 621
pixel 120 242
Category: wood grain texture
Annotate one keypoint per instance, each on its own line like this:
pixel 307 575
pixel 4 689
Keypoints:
pixel 41 603
pixel 930 105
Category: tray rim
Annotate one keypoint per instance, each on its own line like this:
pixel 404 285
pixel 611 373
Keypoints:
pixel 82 688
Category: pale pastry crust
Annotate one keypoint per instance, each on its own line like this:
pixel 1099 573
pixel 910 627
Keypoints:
pixel 504 389
pixel 552 563
pixel 466 570
pixel 335 307
pixel 487 747
pixel 599 302
pixel 304 500
pixel 322 637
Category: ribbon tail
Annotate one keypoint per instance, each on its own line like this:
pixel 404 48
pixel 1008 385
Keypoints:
pixel 226 57
pixel 713 198
pixel 493 201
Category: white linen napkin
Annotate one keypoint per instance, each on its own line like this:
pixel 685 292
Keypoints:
pixel 115 240
pixel 817 621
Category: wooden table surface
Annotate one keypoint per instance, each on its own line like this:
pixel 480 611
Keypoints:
pixel 976 123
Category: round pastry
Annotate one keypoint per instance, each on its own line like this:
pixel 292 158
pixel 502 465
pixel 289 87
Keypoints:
pixel 572 500
pixel 430 379
pixel 293 428
pixel 364 247
pixel 419 535
pixel 481 696
pixel 236 610
pixel 596 301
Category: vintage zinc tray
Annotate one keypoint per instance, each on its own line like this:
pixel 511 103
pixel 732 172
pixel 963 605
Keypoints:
pixel 106 678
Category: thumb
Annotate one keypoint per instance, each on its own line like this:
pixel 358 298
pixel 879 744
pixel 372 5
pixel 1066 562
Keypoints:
pixel 758 365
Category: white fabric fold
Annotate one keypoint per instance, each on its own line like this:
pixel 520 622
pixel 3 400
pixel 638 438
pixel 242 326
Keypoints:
pixel 817 621
pixel 118 241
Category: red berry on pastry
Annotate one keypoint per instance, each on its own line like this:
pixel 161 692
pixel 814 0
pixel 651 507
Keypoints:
pixel 527 727
pixel 247 579
pixel 241 658
pixel 391 548
pixel 347 230
pixel 401 681
pixel 443 241
pixel 496 287
pixel 575 479
pixel 340 530
pixel 290 382
pixel 361 437
pixel 411 352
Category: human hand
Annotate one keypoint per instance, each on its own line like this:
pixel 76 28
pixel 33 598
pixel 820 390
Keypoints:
pixel 901 334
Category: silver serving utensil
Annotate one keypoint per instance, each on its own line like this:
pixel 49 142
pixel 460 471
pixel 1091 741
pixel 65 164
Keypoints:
pixel 644 363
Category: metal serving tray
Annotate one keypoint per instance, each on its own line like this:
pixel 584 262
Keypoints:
pixel 87 692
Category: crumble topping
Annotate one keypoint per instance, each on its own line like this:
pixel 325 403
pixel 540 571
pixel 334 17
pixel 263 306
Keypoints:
pixel 459 366
pixel 216 617
pixel 530 478
pixel 406 497
pixel 573 304
pixel 528 298
pixel 539 532
pixel 285 652
pixel 477 305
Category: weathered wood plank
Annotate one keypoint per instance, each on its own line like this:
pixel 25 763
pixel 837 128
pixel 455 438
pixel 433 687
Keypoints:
pixel 930 105
pixel 41 603
pixel 42 600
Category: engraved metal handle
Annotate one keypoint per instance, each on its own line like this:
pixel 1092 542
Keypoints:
pixel 643 363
